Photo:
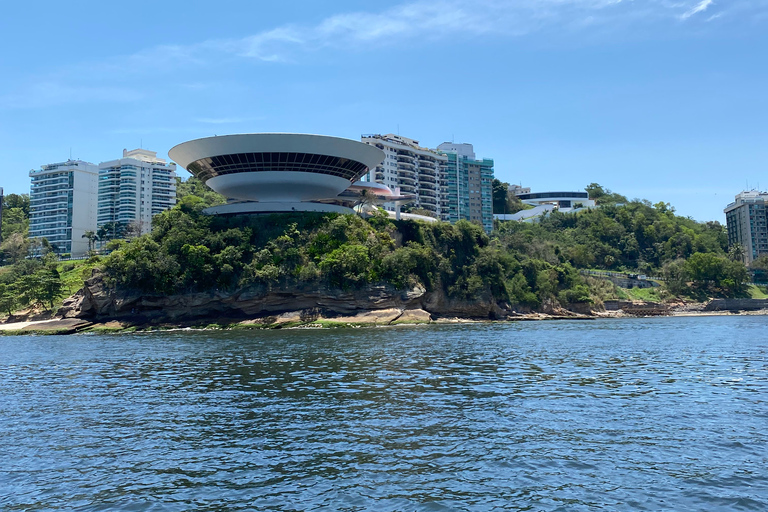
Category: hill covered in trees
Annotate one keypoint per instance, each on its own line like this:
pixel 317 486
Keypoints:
pixel 519 266
pixel 190 252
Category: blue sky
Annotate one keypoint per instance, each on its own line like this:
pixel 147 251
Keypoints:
pixel 657 99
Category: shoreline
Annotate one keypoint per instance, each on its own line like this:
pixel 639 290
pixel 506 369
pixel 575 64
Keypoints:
pixel 293 320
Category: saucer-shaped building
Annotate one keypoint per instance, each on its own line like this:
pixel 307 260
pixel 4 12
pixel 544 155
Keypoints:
pixel 279 172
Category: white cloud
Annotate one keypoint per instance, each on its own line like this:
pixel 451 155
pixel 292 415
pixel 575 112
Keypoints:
pixel 404 26
pixel 700 7
pixel 442 19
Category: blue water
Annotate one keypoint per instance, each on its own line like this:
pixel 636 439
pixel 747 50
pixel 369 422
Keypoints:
pixel 645 414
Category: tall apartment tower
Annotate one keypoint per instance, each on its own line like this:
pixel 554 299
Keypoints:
pixel 62 204
pixel 1 212
pixel 414 169
pixel 467 186
pixel 134 188
pixel 747 220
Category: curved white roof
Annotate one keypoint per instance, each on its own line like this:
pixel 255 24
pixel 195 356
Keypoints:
pixel 193 150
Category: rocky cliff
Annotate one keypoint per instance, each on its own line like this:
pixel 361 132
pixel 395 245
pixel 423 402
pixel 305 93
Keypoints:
pixel 97 301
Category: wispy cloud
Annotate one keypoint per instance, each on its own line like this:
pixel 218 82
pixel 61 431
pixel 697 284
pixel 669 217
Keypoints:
pixel 434 20
pixel 405 25
pixel 700 7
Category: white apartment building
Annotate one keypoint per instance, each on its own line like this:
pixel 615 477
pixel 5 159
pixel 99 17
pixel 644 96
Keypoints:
pixel 62 204
pixel 411 168
pixel 134 188
pixel 747 221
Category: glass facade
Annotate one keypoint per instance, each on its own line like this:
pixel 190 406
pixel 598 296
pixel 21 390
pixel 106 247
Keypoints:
pixel 747 224
pixel 553 195
pixel 207 168
pixel 468 190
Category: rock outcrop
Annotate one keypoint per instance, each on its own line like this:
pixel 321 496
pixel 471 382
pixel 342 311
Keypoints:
pixel 96 301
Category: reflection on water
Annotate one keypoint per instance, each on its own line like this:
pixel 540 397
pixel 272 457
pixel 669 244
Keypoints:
pixel 657 414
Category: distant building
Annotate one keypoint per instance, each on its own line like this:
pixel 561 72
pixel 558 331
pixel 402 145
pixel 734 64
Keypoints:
pixel 411 168
pixel 747 221
pixel 516 190
pixel 467 186
pixel 545 202
pixel 62 204
pixel 134 188
pixel 448 181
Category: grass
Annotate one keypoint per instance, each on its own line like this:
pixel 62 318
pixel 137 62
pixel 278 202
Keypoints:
pixel 646 294
pixel 74 273
pixel 757 292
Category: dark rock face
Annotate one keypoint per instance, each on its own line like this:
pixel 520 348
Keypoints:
pixel 736 305
pixel 97 301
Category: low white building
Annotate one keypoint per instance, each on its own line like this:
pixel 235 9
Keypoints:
pixel 62 204
pixel 545 202
pixel 134 188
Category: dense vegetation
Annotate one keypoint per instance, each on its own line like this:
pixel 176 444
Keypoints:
pixel 528 264
pixel 188 251
pixel 640 238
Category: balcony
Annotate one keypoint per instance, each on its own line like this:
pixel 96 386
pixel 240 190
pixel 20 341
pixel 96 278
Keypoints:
pixel 428 180
pixel 426 193
pixel 426 163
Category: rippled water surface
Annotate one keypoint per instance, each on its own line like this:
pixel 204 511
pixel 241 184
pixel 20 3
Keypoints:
pixel 656 414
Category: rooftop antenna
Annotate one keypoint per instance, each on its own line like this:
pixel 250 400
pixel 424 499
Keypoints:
pixel 141 143
pixel 70 152
pixel 398 129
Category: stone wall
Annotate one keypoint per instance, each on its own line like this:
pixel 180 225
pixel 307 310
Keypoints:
pixel 736 305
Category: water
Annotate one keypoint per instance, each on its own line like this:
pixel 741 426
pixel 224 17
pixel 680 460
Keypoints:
pixel 652 414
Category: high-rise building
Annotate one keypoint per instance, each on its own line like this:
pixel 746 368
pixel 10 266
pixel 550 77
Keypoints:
pixel 1 211
pixel 411 168
pixel 134 188
pixel 747 220
pixel 62 204
pixel 467 185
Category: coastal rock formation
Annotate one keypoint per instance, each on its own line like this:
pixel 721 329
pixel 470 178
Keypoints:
pixel 377 304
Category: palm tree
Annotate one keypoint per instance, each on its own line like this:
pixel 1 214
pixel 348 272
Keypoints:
pixel 91 236
pixel 102 235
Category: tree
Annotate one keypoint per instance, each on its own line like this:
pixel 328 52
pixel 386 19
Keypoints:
pixel 8 298
pixel 366 198
pixel 20 201
pixel 15 247
pixel 716 273
pixel 91 236
pixel 676 277
pixel 102 235
pixel 50 287
pixel 194 187
pixel 132 229
pixel 603 196
pixel 736 252
pixel 499 192
pixel 347 265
